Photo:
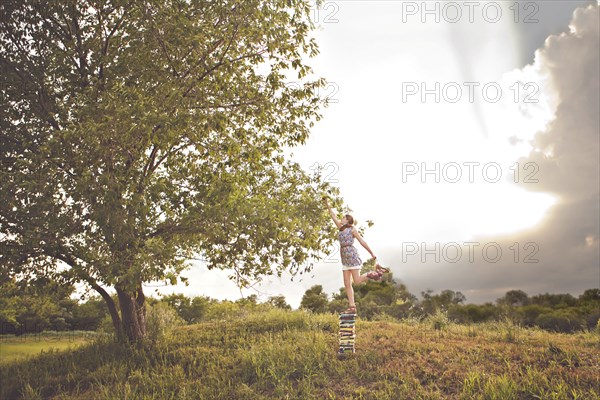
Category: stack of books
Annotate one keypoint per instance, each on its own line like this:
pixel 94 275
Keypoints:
pixel 347 333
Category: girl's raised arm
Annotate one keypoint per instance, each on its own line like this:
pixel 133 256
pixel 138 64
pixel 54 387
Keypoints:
pixel 333 217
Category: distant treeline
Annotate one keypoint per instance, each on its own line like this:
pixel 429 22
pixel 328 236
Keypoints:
pixel 46 305
pixel 552 312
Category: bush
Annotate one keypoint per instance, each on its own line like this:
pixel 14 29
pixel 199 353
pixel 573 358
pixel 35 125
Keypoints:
pixel 224 310
pixel 439 320
pixel 559 322
pixel 529 314
pixel 88 316
pixel 336 306
pixel 106 326
pixel 160 319
pixel 400 309
pixel 473 313
pixel 593 320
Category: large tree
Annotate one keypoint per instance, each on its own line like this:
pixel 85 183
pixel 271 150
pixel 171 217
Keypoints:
pixel 138 134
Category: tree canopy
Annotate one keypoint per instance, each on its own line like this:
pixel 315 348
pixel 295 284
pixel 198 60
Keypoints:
pixel 139 134
pixel 314 299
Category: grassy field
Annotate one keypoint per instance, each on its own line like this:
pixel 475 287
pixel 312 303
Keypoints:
pixel 292 355
pixel 15 348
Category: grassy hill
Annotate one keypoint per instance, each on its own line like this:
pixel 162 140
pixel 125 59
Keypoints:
pixel 292 354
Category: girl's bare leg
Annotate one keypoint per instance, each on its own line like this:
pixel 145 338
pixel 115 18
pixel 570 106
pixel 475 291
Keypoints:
pixel 358 279
pixel 348 286
pixel 352 276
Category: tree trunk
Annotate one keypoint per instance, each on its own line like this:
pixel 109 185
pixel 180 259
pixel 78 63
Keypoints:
pixel 112 308
pixel 133 313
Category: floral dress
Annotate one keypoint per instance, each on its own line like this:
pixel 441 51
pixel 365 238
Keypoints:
pixel 349 254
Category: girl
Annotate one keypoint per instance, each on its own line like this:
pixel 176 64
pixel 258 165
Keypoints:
pixel 350 259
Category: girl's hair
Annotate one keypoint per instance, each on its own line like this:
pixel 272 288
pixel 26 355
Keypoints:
pixel 349 223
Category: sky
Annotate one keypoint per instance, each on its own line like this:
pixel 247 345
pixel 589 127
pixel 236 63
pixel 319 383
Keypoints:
pixel 468 134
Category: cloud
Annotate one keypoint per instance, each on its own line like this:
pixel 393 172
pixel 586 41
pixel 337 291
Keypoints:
pixel 567 152
pixel 551 17
pixel 566 155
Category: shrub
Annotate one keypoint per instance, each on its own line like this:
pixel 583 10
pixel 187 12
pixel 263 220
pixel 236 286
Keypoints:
pixel 559 322
pixel 106 325
pixel 160 319
pixel 530 313
pixel 473 313
pixel 224 310
pixel 592 320
pixel 439 320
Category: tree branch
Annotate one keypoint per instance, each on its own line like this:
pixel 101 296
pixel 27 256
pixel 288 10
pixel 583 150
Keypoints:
pixel 108 37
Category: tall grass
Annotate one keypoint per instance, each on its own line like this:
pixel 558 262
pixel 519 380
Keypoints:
pixel 292 354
